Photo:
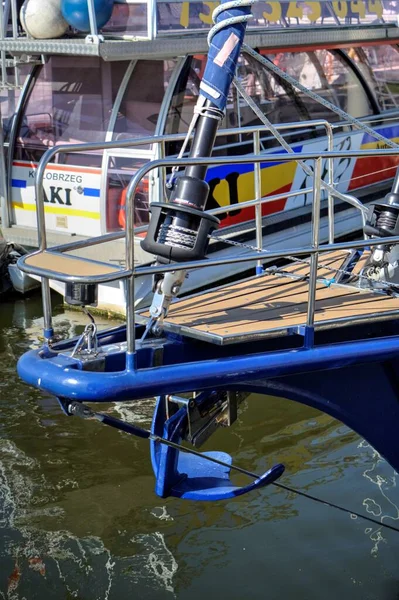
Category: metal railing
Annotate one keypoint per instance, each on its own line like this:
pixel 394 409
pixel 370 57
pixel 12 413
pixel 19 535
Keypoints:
pixel 130 273
pixel 9 19
pixel 162 140
pixel 182 23
pixel 256 132
pixel 313 250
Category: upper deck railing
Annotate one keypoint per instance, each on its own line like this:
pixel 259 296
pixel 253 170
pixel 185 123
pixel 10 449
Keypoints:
pixel 130 271
pixel 150 19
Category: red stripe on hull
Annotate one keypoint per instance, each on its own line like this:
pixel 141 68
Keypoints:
pixel 368 171
pixel 247 214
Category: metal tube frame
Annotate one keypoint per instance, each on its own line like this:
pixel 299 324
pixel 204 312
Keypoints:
pixel 92 18
pixel 5 217
pixel 14 19
pixel 330 199
pixel 2 53
pixel 315 243
pixel 129 236
pixel 130 272
pixel 258 196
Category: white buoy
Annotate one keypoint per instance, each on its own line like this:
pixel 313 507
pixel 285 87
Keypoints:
pixel 42 19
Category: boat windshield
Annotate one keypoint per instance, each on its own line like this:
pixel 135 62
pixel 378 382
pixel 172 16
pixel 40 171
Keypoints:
pixel 71 102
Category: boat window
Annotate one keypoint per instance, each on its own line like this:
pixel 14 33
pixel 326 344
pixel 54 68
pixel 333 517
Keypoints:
pixel 324 72
pixel 327 74
pixel 9 98
pixel 120 171
pixel 141 103
pixel 346 89
pixel 380 67
pixel 185 95
pixel 70 103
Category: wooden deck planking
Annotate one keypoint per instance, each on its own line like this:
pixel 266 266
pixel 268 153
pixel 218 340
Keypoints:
pixel 255 288
pixel 328 309
pixel 284 314
pixel 272 302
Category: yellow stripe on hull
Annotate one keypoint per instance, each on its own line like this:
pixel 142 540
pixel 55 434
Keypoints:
pixel 273 178
pixel 59 210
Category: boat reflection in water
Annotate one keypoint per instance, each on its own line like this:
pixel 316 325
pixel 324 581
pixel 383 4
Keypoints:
pixel 79 517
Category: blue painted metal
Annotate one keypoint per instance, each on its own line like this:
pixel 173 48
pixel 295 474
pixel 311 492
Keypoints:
pixel 223 56
pixel 356 382
pixel 64 376
pixel 363 396
pixel 190 477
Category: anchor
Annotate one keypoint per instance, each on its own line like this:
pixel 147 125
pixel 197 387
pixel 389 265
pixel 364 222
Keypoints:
pixel 181 471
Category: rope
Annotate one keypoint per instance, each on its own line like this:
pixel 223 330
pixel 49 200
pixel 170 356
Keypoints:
pixel 287 488
pixel 294 83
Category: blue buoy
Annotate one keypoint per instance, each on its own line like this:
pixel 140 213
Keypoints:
pixel 76 13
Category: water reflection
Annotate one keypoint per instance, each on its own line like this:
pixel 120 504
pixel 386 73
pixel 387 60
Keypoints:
pixel 79 518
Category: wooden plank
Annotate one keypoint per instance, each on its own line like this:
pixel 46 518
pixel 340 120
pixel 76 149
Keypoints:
pixel 265 309
pixel 251 289
pixel 282 288
pixel 69 265
pixel 289 310
pixel 271 302
pixel 284 315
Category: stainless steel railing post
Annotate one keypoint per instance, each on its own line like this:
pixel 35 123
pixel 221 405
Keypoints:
pixel 330 198
pixel 129 251
pixel 315 242
pixel 152 19
pixel 258 196
pixel 14 19
pixel 42 239
pixel 3 31
pixel 92 17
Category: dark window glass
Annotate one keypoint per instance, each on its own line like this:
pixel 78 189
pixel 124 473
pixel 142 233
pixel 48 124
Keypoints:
pixel 322 71
pixel 380 66
pixel 71 102
pixel 346 91
pixel 327 74
pixel 120 172
pixel 141 103
pixel 9 98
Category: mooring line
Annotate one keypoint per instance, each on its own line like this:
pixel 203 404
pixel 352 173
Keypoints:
pixel 287 488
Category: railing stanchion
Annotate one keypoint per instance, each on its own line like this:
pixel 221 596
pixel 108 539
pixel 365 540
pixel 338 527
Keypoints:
pixel 14 19
pixel 258 196
pixel 315 242
pixel 129 251
pixel 92 18
pixel 42 239
pixel 152 20
pixel 330 199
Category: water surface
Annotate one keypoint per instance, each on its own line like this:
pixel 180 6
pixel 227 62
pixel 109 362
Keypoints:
pixel 79 517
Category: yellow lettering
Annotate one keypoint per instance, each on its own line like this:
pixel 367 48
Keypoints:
pixel 340 7
pixel 375 6
pixel 294 10
pixel 315 12
pixel 275 12
pixel 185 14
pixel 207 17
pixel 358 7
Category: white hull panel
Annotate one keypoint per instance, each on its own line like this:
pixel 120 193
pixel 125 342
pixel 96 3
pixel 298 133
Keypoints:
pixel 111 297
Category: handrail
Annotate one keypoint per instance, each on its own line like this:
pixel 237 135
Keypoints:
pixel 129 240
pixel 162 140
pixel 130 272
pixel 11 6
